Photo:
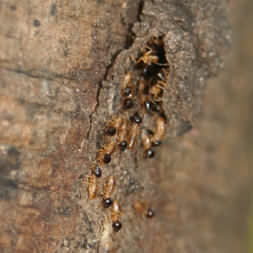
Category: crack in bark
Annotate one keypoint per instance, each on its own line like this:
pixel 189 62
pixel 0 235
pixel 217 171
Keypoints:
pixel 38 75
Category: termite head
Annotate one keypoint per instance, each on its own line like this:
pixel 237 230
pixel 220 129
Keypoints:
pixel 136 118
pixel 156 143
pixel 123 145
pixel 113 125
pixel 128 103
pixel 150 213
pixel 150 153
pixel 111 131
pixel 148 105
pixel 104 155
pixel 107 202
pixel 116 226
pixel 97 171
pixel 107 158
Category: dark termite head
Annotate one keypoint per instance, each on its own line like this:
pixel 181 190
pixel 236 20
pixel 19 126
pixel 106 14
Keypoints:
pixel 116 226
pixel 123 145
pixel 111 131
pixel 97 171
pixel 136 118
pixel 107 158
pixel 150 153
pixel 157 143
pixel 128 103
pixel 150 213
pixel 107 202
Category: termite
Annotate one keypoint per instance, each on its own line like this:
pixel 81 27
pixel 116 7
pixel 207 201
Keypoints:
pixel 127 92
pixel 96 170
pixel 144 96
pixel 163 75
pixel 127 103
pixel 143 209
pixel 104 155
pixel 150 213
pixel 106 242
pixel 136 118
pixel 127 89
pixel 92 186
pixel 108 190
pixel 133 133
pixel 147 144
pixel 159 131
pixel 156 90
pixel 113 125
pixel 122 136
pixel 148 57
pixel 115 215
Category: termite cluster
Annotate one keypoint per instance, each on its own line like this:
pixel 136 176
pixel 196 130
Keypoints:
pixel 141 100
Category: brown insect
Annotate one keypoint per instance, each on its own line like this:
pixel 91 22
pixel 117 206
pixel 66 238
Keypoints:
pixel 146 97
pixel 143 92
pixel 143 209
pixel 106 242
pixel 127 92
pixel 148 57
pixel 156 90
pixel 108 190
pixel 114 125
pixel 133 134
pixel 122 136
pixel 92 186
pixel 127 89
pixel 104 155
pixel 153 53
pixel 159 132
pixel 147 144
pixel 115 215
pixel 96 170
pixel 163 74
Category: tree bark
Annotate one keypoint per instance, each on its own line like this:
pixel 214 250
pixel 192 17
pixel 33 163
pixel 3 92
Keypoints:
pixel 62 64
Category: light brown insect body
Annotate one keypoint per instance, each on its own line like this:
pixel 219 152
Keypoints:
pixel 122 131
pixel 159 130
pixel 114 124
pixel 106 242
pixel 163 75
pixel 127 87
pixel 126 80
pixel 107 150
pixel 92 186
pixel 155 92
pixel 143 97
pixel 143 209
pixel 148 57
pixel 109 187
pixel 115 211
pixel 133 134
pixel 146 140
pixel 139 207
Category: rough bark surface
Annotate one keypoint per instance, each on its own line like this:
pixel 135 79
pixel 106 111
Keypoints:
pixel 61 64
